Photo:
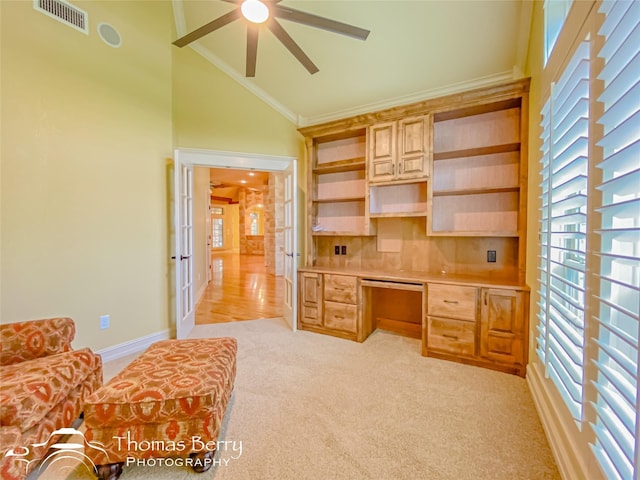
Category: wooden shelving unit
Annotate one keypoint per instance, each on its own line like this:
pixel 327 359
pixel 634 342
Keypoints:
pixel 420 212
pixel 338 185
pixel 475 180
pixel 431 185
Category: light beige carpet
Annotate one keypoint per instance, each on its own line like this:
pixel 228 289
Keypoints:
pixel 309 406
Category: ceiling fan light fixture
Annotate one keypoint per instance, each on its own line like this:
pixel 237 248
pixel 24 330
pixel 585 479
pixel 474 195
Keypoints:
pixel 255 11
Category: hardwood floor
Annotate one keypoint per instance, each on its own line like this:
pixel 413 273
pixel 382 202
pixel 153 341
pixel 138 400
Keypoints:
pixel 241 289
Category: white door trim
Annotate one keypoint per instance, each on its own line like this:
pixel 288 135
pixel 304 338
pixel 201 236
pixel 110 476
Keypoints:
pixel 236 160
pixel 240 161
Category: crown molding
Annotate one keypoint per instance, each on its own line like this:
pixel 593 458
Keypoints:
pixel 411 98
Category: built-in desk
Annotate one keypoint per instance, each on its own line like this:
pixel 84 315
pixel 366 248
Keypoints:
pixel 467 319
pixel 392 305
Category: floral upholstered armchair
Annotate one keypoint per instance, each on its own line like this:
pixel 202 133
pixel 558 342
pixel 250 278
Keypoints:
pixel 43 383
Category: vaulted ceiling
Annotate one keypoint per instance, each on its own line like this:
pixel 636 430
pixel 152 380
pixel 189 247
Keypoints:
pixel 417 49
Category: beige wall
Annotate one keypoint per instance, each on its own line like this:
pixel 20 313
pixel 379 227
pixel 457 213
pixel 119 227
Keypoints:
pixel 214 112
pixel 88 133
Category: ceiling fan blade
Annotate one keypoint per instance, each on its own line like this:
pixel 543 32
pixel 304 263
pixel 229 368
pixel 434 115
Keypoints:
pixel 208 28
pixel 291 45
pixel 252 49
pixel 293 15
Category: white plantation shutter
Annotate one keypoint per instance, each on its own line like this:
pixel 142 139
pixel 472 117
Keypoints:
pixel 543 258
pixel 563 230
pixel 617 423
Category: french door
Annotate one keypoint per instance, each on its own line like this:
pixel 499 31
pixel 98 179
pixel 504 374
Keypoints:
pixel 185 160
pixel 185 316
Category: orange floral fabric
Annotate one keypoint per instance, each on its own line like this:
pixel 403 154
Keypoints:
pixel 29 390
pixel 39 395
pixel 176 390
pixel 23 341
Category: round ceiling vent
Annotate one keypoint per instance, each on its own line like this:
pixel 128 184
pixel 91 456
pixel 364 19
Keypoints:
pixel 109 35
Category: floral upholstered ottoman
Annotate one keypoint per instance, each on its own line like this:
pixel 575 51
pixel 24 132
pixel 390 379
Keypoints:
pixel 169 402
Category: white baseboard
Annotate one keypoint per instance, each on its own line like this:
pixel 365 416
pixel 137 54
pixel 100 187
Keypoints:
pixel 571 452
pixel 198 295
pixel 132 346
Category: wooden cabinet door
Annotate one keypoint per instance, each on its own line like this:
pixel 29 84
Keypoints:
pixel 413 145
pixel 310 298
pixel 382 152
pixel 502 324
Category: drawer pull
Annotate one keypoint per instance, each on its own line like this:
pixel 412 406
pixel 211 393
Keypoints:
pixel 339 317
pixel 339 288
pixel 452 337
pixel 454 302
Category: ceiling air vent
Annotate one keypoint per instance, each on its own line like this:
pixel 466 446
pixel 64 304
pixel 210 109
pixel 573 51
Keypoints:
pixel 65 13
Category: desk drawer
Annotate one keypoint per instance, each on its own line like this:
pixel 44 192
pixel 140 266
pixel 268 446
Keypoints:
pixel 341 316
pixel 454 301
pixel 452 336
pixel 341 288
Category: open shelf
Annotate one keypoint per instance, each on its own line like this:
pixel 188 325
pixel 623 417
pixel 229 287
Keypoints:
pixel 486 173
pixel 340 217
pixel 340 185
pixel 349 165
pixel 475 191
pixel 477 151
pixel 485 214
pixel 404 200
pixel 398 214
pixel 476 132
pixel 339 199
pixel 340 151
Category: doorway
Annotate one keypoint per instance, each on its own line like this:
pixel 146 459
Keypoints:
pixel 185 161
pixel 244 246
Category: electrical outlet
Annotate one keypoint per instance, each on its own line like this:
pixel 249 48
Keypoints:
pixel 343 250
pixel 491 256
pixel 336 249
pixel 104 321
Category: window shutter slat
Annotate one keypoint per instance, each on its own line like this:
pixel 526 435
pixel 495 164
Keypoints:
pixel 616 404
pixel 565 139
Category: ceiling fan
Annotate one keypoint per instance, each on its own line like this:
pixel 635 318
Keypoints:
pixel 268 11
